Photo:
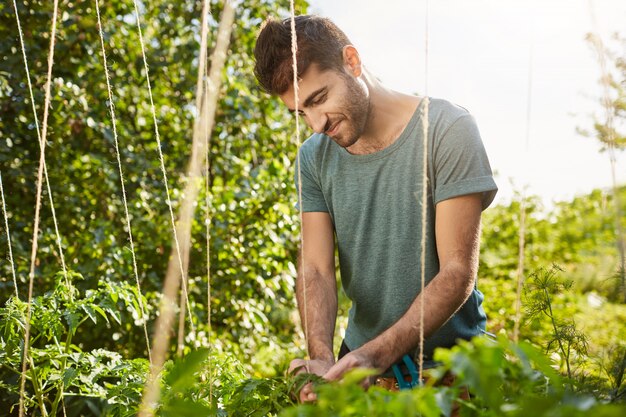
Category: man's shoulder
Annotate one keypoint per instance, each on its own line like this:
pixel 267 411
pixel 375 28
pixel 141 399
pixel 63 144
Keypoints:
pixel 442 109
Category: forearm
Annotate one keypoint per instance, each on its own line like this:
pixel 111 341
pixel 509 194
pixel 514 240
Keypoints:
pixel 442 297
pixel 316 293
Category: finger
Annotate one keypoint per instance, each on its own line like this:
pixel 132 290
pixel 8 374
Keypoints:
pixel 296 366
pixel 335 372
pixel 307 394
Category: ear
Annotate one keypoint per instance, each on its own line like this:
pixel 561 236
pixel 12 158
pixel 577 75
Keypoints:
pixel 352 60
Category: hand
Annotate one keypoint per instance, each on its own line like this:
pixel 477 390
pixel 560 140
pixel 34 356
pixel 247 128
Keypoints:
pixel 358 358
pixel 314 366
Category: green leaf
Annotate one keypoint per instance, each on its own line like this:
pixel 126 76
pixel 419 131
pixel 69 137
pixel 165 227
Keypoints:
pixel 182 374
pixel 357 375
pixel 68 376
pixel 185 408
pixel 100 311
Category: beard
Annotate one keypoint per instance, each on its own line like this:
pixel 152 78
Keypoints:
pixel 357 109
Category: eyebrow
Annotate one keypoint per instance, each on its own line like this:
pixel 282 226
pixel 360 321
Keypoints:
pixel 311 97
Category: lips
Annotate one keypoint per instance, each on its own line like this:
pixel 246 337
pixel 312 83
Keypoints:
pixel 332 129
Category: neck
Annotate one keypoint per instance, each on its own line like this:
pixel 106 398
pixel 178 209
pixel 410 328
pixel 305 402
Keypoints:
pixel 389 113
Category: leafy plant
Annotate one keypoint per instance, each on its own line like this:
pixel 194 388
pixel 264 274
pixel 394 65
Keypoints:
pixel 60 373
pixel 615 369
pixel 565 338
pixel 207 383
pixel 515 379
pixel 504 379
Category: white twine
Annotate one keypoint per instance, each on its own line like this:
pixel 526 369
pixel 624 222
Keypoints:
pixel 121 172
pixel 425 126
pixel 164 320
pixel 294 52
pixel 42 162
pixel 6 225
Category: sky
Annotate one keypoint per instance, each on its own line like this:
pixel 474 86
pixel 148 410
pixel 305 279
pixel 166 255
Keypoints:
pixel 522 68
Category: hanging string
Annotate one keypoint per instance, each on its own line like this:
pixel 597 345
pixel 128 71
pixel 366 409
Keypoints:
pixel 39 137
pixel 6 226
pixel 192 188
pixel 200 91
pixel 160 152
pixel 208 261
pixel 200 96
pixel 609 108
pixel 207 201
pixel 521 242
pixel 42 159
pixel 520 268
pixel 424 197
pixel 161 160
pixel 121 172
pixel 294 54
pixel 41 143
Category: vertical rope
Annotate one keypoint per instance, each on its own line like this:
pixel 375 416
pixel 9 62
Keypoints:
pixel 156 133
pixel 208 262
pixel 207 201
pixel 424 197
pixel 520 268
pixel 294 56
pixel 522 225
pixel 200 96
pixel 41 136
pixel 6 225
pixel 171 285
pixel 609 108
pixel 121 172
pixel 41 143
pixel 42 159
pixel 200 92
pixel 159 150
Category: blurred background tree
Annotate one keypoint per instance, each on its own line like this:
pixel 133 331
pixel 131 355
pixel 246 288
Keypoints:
pixel 610 130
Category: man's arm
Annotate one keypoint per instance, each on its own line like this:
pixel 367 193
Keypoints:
pixel 316 292
pixel 457 230
pixel 316 287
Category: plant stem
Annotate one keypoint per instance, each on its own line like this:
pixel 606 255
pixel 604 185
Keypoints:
pixel 37 388
pixel 9 367
pixel 556 333
pixel 59 396
pixel 619 378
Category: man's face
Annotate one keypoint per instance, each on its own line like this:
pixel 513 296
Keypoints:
pixel 333 103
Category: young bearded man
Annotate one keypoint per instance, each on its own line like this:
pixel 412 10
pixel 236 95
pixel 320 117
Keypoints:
pixel 360 173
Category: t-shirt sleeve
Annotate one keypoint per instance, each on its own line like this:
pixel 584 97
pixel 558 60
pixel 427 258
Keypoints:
pixel 461 164
pixel 312 195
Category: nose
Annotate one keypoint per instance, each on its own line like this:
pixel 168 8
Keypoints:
pixel 317 121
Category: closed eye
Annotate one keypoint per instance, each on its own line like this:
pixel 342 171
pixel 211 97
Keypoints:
pixel 320 99
pixel 317 97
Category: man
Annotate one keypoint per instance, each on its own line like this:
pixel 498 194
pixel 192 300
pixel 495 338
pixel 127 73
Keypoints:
pixel 361 182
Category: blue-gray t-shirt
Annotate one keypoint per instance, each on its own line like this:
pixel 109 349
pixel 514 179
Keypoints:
pixel 377 218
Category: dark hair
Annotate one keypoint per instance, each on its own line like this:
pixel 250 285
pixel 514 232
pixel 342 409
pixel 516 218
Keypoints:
pixel 319 41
